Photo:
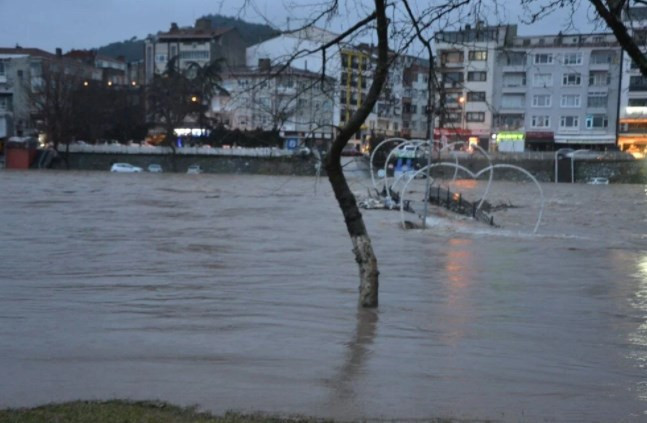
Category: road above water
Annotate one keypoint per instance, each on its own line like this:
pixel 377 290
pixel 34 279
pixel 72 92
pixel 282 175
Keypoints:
pixel 239 292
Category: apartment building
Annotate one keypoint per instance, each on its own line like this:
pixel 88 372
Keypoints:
pixel 200 44
pixel 399 111
pixel 556 91
pixel 22 73
pixel 294 101
pixel 632 133
pixel 467 84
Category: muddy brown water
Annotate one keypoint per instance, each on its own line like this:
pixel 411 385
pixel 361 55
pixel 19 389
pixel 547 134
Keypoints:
pixel 239 292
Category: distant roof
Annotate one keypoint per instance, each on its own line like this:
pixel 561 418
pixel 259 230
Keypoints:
pixel 193 33
pixel 26 51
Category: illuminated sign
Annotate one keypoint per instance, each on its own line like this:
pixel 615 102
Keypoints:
pixel 510 136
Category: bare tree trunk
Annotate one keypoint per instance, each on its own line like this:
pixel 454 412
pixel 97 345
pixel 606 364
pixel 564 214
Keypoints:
pixel 362 247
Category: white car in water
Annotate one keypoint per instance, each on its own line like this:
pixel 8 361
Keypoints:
pixel 194 169
pixel 125 168
pixel 598 180
pixel 155 168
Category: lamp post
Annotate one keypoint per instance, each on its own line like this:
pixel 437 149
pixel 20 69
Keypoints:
pixel 461 102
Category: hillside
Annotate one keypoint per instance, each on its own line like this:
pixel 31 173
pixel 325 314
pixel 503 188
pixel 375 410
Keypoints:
pixel 133 49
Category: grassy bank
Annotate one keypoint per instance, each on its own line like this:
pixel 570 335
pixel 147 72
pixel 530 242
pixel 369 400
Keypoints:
pixel 129 412
pixel 140 412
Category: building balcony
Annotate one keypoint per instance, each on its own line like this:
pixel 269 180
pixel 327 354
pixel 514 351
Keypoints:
pixel 514 88
pixel 599 66
pixel 513 68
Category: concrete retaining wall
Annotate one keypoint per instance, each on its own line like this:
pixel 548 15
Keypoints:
pixel 295 165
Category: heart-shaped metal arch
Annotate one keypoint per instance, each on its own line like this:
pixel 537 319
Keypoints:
pixel 420 143
pixel 474 176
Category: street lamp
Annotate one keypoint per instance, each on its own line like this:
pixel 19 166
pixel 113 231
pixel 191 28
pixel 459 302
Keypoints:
pixel 461 101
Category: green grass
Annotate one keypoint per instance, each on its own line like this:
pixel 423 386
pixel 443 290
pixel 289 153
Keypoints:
pixel 129 412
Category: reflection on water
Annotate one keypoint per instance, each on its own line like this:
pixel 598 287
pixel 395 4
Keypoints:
pixel 239 292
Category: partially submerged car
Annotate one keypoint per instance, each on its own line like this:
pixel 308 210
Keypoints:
pixel 155 168
pixel 599 180
pixel 125 168
pixel 194 169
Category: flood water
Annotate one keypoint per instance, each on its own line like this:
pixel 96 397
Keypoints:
pixel 239 292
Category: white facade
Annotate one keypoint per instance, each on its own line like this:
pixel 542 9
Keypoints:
pixel 294 102
pixel 558 91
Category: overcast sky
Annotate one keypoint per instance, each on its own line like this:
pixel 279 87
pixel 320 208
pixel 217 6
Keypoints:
pixel 83 24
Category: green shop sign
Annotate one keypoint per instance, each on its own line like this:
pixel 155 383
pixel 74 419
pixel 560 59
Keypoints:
pixel 510 136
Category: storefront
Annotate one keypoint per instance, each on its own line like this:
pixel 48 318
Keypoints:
pixel 585 141
pixel 509 141
pixel 469 137
pixel 540 141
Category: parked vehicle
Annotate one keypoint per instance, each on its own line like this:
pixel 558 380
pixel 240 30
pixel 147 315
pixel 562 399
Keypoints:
pixel 194 169
pixel 125 168
pixel 155 168
pixel 598 180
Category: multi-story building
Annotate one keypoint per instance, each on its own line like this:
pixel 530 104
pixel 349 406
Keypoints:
pixel 22 73
pixel 632 136
pixel 293 101
pixel 201 44
pixel 399 111
pixel 556 91
pixel 402 107
pixel 466 81
pixel 114 71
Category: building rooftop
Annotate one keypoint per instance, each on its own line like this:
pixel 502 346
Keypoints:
pixel 26 51
pixel 192 33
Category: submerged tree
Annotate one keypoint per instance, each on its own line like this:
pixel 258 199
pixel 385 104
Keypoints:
pixel 409 21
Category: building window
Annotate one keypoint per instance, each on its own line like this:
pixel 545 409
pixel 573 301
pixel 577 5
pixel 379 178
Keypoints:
pixel 2 70
pixel 478 55
pixel 540 121
pixel 453 77
pixel 4 102
pixel 451 57
pixel 572 79
pixel 453 117
pixel 602 58
pixel 476 96
pixel 636 102
pixel 541 100
pixel 599 99
pixel 194 55
pixel 637 83
pixel 570 122
pixel 173 51
pixel 599 79
pixel 514 79
pixel 513 101
pixel 476 76
pixel 597 121
pixel 542 80
pixel 570 100
pixel 543 59
pixel 475 116
pixel 572 58
pixel 161 58
pixel 514 58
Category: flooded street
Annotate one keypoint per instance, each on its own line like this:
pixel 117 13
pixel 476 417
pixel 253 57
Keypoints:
pixel 239 292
